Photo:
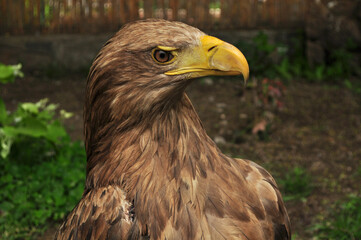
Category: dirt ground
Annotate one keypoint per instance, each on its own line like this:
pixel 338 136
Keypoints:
pixel 318 128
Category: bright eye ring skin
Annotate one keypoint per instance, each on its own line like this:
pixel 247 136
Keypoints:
pixel 164 55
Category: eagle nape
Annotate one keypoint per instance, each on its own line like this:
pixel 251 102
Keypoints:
pixel 152 170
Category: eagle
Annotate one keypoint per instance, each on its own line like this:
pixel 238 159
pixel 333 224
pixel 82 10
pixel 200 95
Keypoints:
pixel 152 171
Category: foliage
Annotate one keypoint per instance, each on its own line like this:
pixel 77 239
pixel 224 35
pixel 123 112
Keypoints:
pixel 288 62
pixel 296 185
pixel 345 222
pixel 42 170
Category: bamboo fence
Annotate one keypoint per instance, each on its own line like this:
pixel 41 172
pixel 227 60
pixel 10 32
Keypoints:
pixel 96 16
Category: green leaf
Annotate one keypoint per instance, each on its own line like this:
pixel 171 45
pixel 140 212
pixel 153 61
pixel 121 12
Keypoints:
pixel 31 127
pixel 9 72
pixel 6 74
pixel 3 114
pixel 284 69
pixel 55 131
pixel 6 206
pixel 17 70
pixel 42 103
pixel 5 144
pixel 348 84
pixel 64 114
pixel 51 107
pixel 30 107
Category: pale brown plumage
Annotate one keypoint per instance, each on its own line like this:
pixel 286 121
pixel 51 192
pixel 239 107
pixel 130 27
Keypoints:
pixel 152 171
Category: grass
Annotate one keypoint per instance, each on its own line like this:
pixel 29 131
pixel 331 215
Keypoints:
pixel 296 185
pixel 344 222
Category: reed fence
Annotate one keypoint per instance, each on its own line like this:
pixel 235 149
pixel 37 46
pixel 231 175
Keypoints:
pixel 95 16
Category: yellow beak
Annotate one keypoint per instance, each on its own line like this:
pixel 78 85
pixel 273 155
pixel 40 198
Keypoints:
pixel 212 57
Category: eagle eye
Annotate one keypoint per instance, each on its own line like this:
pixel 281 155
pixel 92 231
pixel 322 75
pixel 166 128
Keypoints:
pixel 162 56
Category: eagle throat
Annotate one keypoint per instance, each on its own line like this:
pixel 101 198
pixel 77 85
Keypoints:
pixel 168 142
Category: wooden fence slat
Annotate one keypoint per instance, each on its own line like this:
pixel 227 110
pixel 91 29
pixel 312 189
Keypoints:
pixel 134 9
pixel 122 11
pixel 174 5
pixel 15 15
pixel 90 11
pixel 234 13
pixel 101 18
pixel 22 15
pixel 30 15
pixel 81 10
pixel 113 13
pixel 55 16
pixel 9 15
pixel 37 15
pixel 164 9
pixel 3 14
pixel 12 16
pixel 148 8
pixel 65 2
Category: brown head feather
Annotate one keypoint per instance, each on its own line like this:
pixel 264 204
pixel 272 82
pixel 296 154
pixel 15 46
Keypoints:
pixel 152 170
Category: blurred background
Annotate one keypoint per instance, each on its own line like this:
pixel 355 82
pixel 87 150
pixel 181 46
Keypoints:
pixel 299 115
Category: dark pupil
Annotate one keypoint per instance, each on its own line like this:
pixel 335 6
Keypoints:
pixel 162 55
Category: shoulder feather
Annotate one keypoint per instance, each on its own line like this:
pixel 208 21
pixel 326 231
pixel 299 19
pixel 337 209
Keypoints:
pixel 102 213
pixel 271 199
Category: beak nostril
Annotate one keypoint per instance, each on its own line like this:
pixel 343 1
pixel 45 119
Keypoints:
pixel 210 49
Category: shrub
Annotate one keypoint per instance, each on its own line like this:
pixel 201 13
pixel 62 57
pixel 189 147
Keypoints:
pixel 42 175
